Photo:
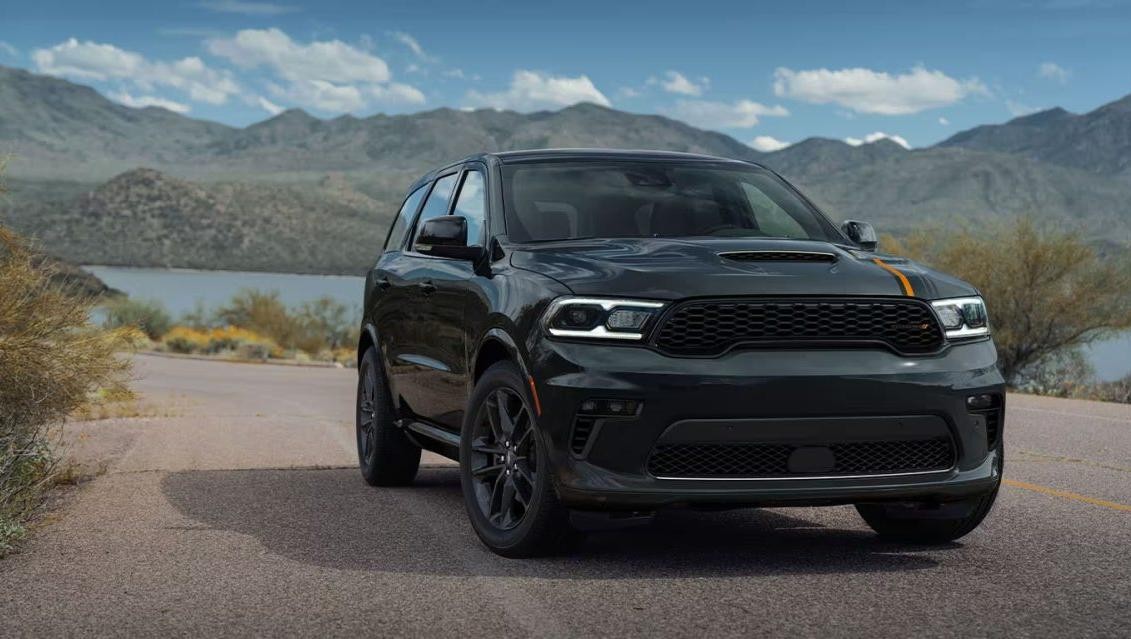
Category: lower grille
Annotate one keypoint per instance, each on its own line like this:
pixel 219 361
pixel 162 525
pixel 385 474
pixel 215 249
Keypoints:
pixel 772 460
pixel 582 429
pixel 993 426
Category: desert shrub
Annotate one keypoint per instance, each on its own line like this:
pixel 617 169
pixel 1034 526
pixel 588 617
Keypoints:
pixel 147 315
pixel 1048 292
pixel 1117 391
pixel 199 317
pixel 324 324
pixel 51 360
pixel 264 313
pixel 227 339
pixel 181 339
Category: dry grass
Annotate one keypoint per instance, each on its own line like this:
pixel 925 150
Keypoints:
pixel 51 362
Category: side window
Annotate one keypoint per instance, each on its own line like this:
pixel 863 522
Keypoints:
pixel 437 203
pixel 404 217
pixel 472 205
pixel 772 219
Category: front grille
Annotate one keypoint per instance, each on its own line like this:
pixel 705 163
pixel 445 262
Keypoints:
pixel 711 327
pixel 772 460
pixel 778 256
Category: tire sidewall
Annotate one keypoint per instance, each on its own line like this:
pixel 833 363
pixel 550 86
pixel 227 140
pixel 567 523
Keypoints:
pixel 368 363
pixel 501 375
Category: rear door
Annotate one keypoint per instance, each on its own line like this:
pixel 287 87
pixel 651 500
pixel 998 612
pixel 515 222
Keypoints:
pixel 387 288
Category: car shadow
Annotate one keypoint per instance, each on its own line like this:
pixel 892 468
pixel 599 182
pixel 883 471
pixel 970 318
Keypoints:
pixel 331 518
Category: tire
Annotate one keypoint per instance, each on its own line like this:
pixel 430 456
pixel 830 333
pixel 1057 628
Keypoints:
pixel 507 484
pixel 385 454
pixel 922 524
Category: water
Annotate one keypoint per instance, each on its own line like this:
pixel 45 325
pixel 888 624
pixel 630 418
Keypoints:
pixel 179 290
pixel 1111 359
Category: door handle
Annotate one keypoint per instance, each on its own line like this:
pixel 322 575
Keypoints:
pixel 382 283
pixel 427 287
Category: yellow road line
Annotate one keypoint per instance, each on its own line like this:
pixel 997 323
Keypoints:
pixel 1056 492
pixel 903 281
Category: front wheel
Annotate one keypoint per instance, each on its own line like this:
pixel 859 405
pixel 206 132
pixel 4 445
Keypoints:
pixel 384 452
pixel 505 472
pixel 927 523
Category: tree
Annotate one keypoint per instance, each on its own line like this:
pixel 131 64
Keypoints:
pixel 1047 291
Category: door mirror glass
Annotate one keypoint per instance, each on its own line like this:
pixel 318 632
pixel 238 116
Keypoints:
pixel 446 236
pixel 861 233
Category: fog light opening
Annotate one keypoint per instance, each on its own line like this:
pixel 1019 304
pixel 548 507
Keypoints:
pixel 981 402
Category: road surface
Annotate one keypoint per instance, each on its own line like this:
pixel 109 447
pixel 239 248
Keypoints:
pixel 240 511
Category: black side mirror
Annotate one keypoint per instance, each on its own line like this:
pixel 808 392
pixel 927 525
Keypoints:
pixel 861 233
pixel 446 236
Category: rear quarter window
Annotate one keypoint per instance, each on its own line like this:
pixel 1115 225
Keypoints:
pixel 395 239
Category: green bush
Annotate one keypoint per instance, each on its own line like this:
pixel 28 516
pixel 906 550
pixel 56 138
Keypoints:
pixel 149 316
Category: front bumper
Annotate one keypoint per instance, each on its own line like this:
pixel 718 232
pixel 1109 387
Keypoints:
pixel 743 392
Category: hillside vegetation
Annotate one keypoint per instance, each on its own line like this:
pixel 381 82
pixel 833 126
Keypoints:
pixel 300 194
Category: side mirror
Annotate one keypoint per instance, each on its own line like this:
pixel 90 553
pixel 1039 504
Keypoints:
pixel 446 236
pixel 861 233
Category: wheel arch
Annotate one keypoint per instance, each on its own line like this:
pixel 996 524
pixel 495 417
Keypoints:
pixel 496 346
pixel 367 340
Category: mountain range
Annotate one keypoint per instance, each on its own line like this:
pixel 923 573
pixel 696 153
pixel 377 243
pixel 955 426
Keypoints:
pixel 98 182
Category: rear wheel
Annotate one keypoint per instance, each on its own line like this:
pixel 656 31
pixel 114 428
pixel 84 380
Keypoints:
pixel 927 523
pixel 504 470
pixel 384 452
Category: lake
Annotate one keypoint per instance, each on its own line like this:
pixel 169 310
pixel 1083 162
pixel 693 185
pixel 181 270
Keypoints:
pixel 180 289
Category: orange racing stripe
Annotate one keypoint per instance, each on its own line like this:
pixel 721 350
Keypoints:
pixel 903 281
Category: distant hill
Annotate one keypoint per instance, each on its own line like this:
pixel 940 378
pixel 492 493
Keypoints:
pixel 146 218
pixel 301 194
pixel 1098 141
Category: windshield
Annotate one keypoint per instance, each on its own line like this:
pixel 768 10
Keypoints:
pixel 572 200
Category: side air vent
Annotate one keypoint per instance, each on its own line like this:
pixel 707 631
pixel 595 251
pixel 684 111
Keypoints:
pixel 778 256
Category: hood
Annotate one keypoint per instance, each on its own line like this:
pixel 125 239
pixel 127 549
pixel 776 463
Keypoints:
pixel 668 269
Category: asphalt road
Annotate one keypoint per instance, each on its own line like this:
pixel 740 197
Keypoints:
pixel 239 511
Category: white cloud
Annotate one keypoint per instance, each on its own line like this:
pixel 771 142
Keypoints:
pixel 397 93
pixel 96 61
pixel 1053 71
pixel 628 92
pixel 268 106
pixel 8 49
pixel 766 144
pixel 143 101
pixel 534 90
pixel 742 114
pixel 876 137
pixel 676 82
pixel 329 60
pixel 247 8
pixel 868 91
pixel 328 75
pixel 411 43
pixel 943 121
pixel 1017 109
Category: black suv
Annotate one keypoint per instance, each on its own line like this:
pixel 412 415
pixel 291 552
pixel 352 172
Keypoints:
pixel 622 331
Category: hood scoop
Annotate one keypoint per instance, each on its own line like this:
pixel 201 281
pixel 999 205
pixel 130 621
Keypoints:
pixel 778 256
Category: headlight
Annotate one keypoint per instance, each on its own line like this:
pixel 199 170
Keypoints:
pixel 963 317
pixel 600 318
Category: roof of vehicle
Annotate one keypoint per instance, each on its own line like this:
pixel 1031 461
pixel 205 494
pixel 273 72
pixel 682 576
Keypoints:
pixel 507 157
pixel 536 155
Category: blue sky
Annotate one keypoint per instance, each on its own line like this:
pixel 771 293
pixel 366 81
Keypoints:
pixel 765 73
